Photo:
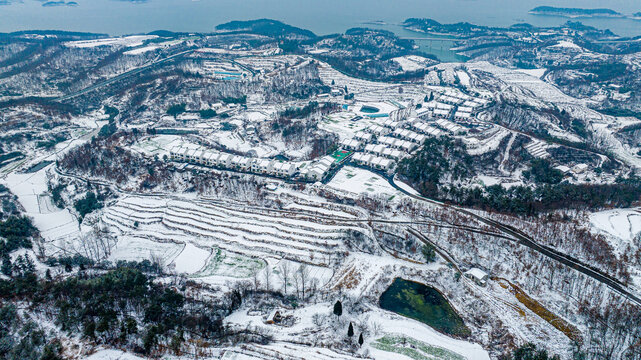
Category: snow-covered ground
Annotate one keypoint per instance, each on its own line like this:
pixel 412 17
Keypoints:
pixel 54 224
pixel 128 41
pixel 567 44
pixel 395 325
pixel 537 73
pixel 110 354
pixel 389 323
pixel 412 62
pixel 359 181
pixel 622 225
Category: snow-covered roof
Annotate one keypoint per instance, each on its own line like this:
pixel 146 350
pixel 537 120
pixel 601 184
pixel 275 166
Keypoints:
pixel 477 273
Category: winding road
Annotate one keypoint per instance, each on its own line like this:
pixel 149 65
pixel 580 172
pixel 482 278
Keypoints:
pixel 526 240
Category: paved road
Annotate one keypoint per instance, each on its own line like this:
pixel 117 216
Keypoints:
pixel 526 240
pixel 513 234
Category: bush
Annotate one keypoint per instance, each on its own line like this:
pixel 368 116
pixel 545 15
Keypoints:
pixel 88 204
pixel 17 230
pixel 207 113
pixel 541 171
pixel 176 110
pixel 428 253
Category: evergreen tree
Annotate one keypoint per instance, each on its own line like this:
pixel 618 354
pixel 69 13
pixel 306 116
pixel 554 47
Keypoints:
pixel 338 308
pixel 89 330
pixel 429 253
pixel 29 266
pixel 360 339
pixel 7 267
pixel 350 330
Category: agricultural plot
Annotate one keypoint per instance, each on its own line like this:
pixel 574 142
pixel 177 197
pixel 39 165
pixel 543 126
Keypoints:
pixel 407 339
pixel 157 145
pixel 137 249
pixel 55 225
pixel 191 259
pixel 283 350
pixel 208 227
pixel 413 349
pixel 225 264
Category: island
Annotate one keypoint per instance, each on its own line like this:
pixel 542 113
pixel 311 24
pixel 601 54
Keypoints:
pixel 575 12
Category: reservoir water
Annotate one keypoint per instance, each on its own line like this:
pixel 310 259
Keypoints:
pixel 423 303
pixel 118 17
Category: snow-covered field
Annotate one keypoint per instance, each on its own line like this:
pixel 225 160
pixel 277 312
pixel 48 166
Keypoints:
pixel 622 225
pixel 54 224
pixel 128 41
pixel 413 62
pixel 537 73
pixel 359 181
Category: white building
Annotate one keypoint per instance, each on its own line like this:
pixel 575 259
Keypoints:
pixel 319 169
pixel 478 276
pixel 378 130
pixel 462 116
pixel 424 113
pixel 283 169
pixel 363 136
pixel 225 159
pixel 352 144
pixel 263 166
pixel 391 124
pixel 441 113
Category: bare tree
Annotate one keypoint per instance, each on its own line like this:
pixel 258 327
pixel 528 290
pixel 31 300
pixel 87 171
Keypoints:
pixel 256 281
pixel 97 244
pixel 267 277
pixel 284 273
pixel 302 278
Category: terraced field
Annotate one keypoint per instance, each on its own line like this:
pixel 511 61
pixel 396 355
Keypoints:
pixel 230 235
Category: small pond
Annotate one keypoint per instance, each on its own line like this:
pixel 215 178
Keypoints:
pixel 425 304
pixel 369 109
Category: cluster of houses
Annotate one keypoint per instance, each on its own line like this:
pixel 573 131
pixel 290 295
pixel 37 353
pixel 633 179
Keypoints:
pixel 318 170
pixel 435 109
pixel 373 161
pixel 283 169
pixel 452 127
pixel 382 150
pixel 381 145
pixel 399 144
pixel 454 97
pixel 452 104
pixel 425 128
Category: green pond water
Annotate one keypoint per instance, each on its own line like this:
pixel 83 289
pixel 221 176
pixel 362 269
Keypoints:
pixel 369 109
pixel 425 304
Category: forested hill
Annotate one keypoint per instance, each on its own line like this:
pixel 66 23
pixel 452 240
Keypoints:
pixel 267 27
pixel 551 10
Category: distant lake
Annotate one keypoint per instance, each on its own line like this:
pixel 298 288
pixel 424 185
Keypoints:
pixel 118 17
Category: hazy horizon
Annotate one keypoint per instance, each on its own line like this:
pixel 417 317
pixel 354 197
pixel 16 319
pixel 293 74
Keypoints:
pixel 117 17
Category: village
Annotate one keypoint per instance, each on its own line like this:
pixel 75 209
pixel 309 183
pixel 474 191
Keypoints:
pixel 387 133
